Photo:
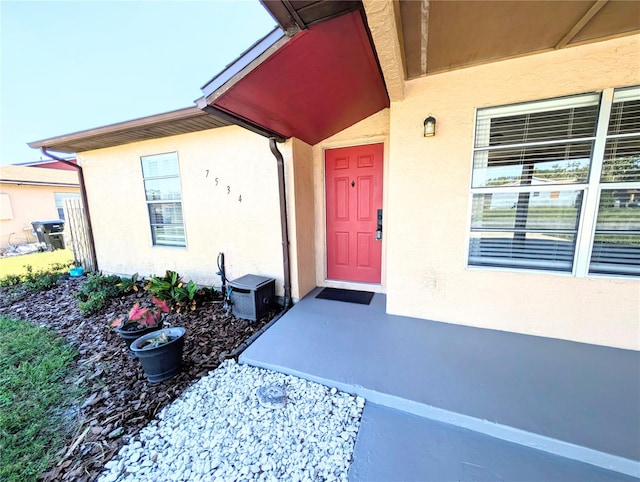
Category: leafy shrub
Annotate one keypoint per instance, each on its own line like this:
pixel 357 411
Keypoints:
pixel 39 280
pixel 181 295
pixel 127 285
pixel 93 304
pixel 45 281
pixel 185 295
pixel 10 280
pixel 164 288
pixel 96 290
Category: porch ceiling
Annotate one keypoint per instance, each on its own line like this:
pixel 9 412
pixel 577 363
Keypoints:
pixel 309 86
pixel 441 35
pixel 322 75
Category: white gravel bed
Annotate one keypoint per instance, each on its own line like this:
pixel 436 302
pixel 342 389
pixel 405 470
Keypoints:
pixel 219 430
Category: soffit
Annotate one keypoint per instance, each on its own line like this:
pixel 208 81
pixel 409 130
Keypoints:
pixel 295 15
pixel 310 86
pixel 440 35
pixel 183 121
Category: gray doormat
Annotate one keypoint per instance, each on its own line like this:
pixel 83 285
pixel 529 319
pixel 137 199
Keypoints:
pixel 350 296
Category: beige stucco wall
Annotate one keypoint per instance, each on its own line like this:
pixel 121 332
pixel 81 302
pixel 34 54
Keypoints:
pixel 247 231
pixel 427 204
pixel 300 204
pixel 23 202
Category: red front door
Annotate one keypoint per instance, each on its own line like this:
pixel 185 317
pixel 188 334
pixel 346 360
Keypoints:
pixel 354 196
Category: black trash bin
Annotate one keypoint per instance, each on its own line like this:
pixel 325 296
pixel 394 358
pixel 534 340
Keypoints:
pixel 50 233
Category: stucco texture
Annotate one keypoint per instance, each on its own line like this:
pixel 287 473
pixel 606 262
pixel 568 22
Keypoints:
pixel 21 203
pixel 217 166
pixel 427 209
pixel 300 204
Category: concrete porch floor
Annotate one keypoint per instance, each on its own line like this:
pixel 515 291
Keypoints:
pixel 448 402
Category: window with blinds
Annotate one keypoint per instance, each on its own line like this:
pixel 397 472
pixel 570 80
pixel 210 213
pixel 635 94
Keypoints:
pixel 164 199
pixel 534 167
pixel 60 198
pixel 616 244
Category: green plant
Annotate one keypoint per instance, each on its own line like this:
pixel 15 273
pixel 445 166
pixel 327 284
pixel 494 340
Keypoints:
pixel 10 280
pixel 33 398
pixel 43 280
pixel 141 317
pixel 36 280
pixel 164 288
pixel 127 285
pixel 93 304
pixel 185 296
pixel 162 339
pixel 181 295
pixel 95 291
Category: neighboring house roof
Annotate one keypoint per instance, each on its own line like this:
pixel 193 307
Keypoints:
pixel 49 164
pixel 36 176
pixel 182 121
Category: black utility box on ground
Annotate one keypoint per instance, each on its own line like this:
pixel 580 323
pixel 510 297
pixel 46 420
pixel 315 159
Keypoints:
pixel 252 296
pixel 50 233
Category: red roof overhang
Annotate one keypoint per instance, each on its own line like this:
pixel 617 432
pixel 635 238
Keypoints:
pixel 323 80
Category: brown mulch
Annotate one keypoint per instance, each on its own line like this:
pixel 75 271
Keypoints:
pixel 120 401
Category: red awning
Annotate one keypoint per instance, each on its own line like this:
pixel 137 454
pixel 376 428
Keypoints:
pixel 321 81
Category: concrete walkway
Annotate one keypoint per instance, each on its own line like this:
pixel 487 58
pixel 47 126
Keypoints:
pixel 437 394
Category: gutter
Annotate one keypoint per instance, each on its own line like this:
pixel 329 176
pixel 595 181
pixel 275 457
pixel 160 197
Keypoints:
pixel 85 202
pixel 250 126
pixel 284 228
pixel 37 183
pixel 285 254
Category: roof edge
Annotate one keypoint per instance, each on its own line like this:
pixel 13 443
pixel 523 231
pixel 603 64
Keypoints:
pixel 243 63
pixel 20 182
pixel 173 115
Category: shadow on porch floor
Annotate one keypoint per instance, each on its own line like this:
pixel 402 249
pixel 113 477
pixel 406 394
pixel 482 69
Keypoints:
pixel 449 402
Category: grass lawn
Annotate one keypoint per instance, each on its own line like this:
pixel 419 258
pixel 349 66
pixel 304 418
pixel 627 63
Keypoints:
pixel 16 265
pixel 34 363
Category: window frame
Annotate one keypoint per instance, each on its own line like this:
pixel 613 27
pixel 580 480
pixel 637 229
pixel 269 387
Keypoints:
pixel 59 198
pixel 149 202
pixel 592 187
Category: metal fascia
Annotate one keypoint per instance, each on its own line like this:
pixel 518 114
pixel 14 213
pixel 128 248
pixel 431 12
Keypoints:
pixel 37 183
pixel 255 128
pixel 246 62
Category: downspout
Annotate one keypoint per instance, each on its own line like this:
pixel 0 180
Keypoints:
pixel 283 223
pixel 285 255
pixel 85 201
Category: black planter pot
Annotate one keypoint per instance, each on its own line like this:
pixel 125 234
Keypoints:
pixel 129 336
pixel 160 362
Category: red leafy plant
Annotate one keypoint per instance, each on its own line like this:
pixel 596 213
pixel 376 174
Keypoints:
pixel 142 317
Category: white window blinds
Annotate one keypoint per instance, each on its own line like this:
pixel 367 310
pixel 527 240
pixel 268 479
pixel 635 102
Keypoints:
pixel 616 244
pixel 533 166
pixel 162 190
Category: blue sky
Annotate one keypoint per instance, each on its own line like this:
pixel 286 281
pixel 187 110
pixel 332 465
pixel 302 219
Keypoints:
pixel 71 66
